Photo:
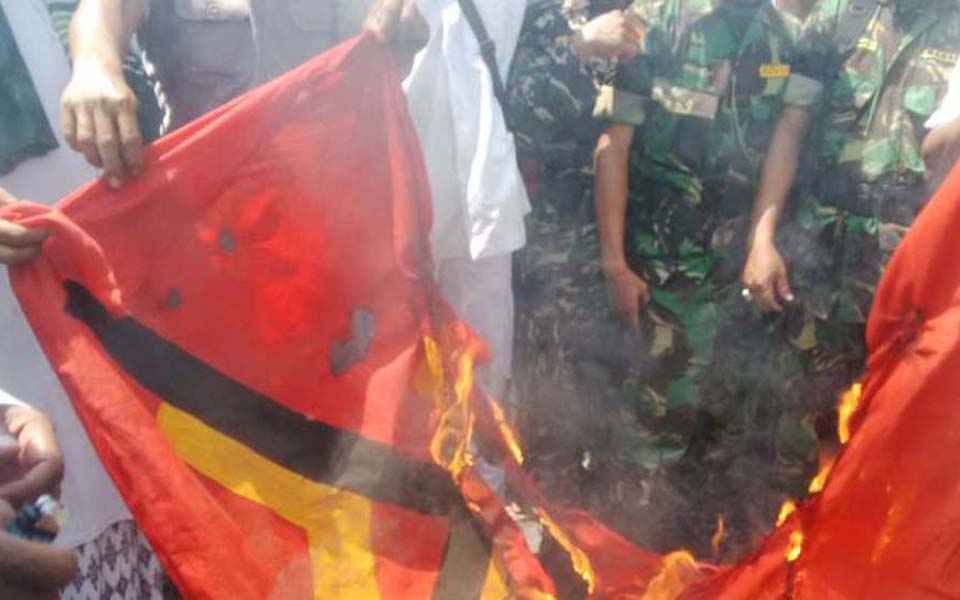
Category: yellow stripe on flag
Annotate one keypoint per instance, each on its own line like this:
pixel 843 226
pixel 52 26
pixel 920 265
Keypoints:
pixel 495 588
pixel 337 522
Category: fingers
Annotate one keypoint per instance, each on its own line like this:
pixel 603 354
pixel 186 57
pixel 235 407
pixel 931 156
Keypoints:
pixel 18 236
pixel 86 138
pixel 766 297
pixel 628 310
pixel 40 458
pixel 631 34
pixel 771 293
pixel 384 18
pixel 7 514
pixel 131 141
pixel 644 295
pixel 628 295
pixel 628 50
pixel 99 120
pixel 41 478
pixel 108 147
pixel 18 244
pixel 782 285
pixel 29 567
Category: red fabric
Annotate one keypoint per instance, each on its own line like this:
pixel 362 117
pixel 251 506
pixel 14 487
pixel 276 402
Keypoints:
pixel 272 219
pixel 262 245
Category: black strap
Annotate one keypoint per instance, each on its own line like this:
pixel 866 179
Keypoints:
pixel 488 51
pixel 853 23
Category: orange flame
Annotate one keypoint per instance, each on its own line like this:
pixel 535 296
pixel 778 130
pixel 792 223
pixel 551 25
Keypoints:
pixel 849 403
pixel 450 446
pixel 818 482
pixel 677 571
pixel 795 547
pixel 508 436
pixel 581 564
pixel 788 508
pixel 718 536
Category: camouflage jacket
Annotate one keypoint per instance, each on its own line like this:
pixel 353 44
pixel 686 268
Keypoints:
pixel 705 94
pixel 551 93
pixel 550 90
pixel 875 97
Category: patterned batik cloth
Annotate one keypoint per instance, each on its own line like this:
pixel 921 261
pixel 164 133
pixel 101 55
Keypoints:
pixel 118 565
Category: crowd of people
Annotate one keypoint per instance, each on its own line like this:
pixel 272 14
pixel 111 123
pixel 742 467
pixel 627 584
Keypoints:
pixel 667 218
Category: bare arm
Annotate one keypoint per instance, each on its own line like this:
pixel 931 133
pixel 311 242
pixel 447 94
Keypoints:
pixel 627 291
pixel 765 274
pixel 941 148
pixel 99 109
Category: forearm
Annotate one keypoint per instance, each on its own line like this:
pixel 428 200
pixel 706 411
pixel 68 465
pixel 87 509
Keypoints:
pixel 610 192
pixel 779 173
pixel 101 31
pixel 941 148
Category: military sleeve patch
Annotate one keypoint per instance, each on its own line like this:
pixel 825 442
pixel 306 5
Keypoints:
pixel 774 71
pixel 941 56
pixel 684 101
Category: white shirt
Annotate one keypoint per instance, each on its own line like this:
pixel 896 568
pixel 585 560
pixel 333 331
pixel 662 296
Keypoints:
pixel 89 496
pixel 8 400
pixel 949 109
pixel 479 198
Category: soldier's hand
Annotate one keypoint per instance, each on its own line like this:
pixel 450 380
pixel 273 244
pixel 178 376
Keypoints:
pixel 99 119
pixel 399 26
pixel 611 35
pixel 627 292
pixel 765 275
pixel 17 244
pixel 28 570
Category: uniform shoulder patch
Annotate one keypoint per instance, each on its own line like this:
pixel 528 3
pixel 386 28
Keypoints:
pixel 774 71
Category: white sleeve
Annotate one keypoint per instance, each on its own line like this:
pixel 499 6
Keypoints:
pixel 950 106
pixel 8 400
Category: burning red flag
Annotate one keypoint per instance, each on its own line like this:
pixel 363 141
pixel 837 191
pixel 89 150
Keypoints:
pixel 251 335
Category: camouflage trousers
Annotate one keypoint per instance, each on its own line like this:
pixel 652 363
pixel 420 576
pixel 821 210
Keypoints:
pixel 767 400
pixel 718 407
pixel 690 402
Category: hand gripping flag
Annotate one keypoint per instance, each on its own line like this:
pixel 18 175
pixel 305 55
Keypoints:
pixel 251 335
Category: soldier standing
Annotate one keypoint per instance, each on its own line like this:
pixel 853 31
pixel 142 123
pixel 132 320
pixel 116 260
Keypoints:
pixel 703 97
pixel 563 52
pixel 869 74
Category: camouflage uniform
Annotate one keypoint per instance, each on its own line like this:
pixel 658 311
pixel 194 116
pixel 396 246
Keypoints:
pixel 704 96
pixel 870 104
pixel 551 94
pixel 565 342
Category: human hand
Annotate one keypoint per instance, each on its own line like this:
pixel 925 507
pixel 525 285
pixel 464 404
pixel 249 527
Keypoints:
pixel 765 277
pixel 99 120
pixel 17 244
pixel 400 27
pixel 33 465
pixel 611 35
pixel 29 570
pixel 627 293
